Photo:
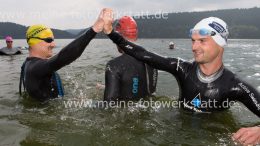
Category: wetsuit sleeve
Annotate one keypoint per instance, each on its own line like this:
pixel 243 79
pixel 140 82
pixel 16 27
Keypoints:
pixel 152 59
pixel 69 53
pixel 112 83
pixel 152 75
pixel 249 96
pixel 72 51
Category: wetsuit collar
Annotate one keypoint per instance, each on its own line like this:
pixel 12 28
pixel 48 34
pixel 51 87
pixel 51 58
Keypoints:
pixel 211 78
pixel 33 58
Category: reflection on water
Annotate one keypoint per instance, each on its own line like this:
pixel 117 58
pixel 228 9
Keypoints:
pixel 26 122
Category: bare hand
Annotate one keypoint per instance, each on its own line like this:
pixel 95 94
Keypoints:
pixel 108 20
pixel 99 24
pixel 248 136
pixel 100 86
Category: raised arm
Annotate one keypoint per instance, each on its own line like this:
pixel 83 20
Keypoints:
pixel 154 60
pixel 72 51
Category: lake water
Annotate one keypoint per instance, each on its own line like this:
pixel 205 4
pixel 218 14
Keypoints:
pixel 22 122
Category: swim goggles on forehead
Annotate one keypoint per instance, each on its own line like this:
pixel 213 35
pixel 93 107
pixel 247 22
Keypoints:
pixel 202 32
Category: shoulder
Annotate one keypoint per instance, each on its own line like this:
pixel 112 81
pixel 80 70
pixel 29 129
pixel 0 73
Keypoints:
pixel 3 48
pixel 34 63
pixel 16 48
pixel 187 66
pixel 35 60
pixel 124 59
pixel 184 62
pixel 227 74
pixel 229 78
pixel 114 61
pixel 113 64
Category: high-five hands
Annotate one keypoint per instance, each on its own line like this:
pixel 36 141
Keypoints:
pixel 108 21
pixel 104 21
pixel 99 24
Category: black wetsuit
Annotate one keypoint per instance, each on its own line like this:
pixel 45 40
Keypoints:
pixel 129 79
pixel 197 92
pixel 39 75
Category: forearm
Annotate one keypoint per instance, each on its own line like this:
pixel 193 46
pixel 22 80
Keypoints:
pixel 72 51
pixel 141 54
pixel 249 97
pixel 254 101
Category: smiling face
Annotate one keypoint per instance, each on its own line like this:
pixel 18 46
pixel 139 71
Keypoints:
pixel 205 49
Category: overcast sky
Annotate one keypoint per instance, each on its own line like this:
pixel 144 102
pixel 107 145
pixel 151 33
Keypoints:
pixel 74 14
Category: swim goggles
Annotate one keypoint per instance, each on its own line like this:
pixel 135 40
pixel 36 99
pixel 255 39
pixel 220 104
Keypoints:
pixel 202 32
pixel 47 40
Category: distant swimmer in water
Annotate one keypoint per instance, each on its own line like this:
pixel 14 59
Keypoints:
pixel 38 73
pixel 171 45
pixel 206 80
pixel 9 49
pixel 126 78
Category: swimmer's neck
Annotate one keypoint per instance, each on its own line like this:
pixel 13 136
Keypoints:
pixel 211 67
pixel 33 54
pixel 9 46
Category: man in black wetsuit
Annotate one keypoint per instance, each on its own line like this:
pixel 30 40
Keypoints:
pixel 204 81
pixel 38 74
pixel 127 78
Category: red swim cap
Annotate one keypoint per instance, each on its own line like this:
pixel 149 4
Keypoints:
pixel 127 27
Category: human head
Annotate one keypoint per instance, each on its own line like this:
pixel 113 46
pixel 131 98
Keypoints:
pixel 127 27
pixel 9 41
pixel 40 40
pixel 216 25
pixel 209 36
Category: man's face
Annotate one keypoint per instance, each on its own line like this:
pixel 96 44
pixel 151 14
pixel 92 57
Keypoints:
pixel 204 48
pixel 44 49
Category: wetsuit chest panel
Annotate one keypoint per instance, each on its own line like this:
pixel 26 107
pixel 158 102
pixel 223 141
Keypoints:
pixel 205 96
pixel 40 87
